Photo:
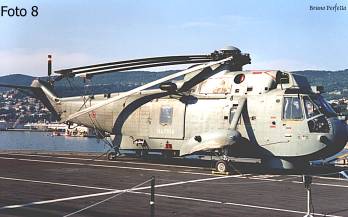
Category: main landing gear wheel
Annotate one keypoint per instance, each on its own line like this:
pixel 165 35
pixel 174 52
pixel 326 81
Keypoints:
pixel 221 166
pixel 141 153
pixel 112 156
pixel 167 155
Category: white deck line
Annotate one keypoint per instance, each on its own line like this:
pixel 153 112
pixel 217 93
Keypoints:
pixel 234 204
pixel 98 160
pixel 323 184
pixel 114 191
pixel 108 193
pixel 105 166
pixel 84 164
pixel 161 170
pixel 55 183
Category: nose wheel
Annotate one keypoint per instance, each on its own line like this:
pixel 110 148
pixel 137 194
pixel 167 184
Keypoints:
pixel 111 156
pixel 222 166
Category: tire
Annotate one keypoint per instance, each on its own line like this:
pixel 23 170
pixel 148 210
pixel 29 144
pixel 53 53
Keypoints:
pixel 167 155
pixel 141 153
pixel 221 166
pixel 111 156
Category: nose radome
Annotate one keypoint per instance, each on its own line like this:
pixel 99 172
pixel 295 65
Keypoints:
pixel 340 134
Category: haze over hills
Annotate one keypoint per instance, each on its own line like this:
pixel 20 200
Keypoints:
pixel 335 82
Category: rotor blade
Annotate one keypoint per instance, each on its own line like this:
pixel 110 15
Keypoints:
pixel 146 86
pixel 198 78
pixel 132 67
pixel 141 63
pixel 85 73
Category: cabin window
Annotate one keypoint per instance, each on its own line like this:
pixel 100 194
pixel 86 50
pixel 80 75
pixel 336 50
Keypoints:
pixel 215 86
pixel 292 109
pixel 166 115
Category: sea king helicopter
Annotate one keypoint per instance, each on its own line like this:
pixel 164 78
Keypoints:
pixel 272 115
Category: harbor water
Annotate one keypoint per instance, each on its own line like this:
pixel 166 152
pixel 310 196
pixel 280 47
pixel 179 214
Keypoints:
pixel 44 141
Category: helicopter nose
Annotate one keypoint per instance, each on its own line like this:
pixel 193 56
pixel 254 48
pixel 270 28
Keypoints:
pixel 339 135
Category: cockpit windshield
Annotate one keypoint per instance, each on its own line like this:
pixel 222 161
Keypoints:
pixel 292 109
pixel 315 104
pixel 310 108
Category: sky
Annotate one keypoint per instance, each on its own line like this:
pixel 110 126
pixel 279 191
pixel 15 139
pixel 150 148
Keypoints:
pixel 278 34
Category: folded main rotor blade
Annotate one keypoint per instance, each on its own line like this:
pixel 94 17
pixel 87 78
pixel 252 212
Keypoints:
pixel 132 67
pixel 146 86
pixel 196 79
pixel 89 71
pixel 134 64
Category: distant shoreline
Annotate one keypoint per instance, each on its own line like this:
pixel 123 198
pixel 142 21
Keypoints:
pixel 24 130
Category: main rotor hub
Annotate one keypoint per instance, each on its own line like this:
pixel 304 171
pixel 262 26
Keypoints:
pixel 230 49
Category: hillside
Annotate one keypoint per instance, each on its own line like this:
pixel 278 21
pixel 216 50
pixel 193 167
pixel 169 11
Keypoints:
pixel 16 79
pixel 108 83
pixel 116 82
pixel 335 83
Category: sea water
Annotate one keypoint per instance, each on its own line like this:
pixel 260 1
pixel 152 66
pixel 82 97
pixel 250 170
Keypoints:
pixel 44 141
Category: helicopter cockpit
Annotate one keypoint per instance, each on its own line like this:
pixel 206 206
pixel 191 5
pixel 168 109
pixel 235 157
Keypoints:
pixel 301 102
pixel 311 107
pixel 313 117
pixel 315 104
pixel 317 111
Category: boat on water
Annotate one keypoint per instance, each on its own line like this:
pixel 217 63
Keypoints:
pixel 46 126
pixel 56 133
pixel 79 131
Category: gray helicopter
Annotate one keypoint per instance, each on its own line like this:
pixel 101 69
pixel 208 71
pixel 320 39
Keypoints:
pixel 275 116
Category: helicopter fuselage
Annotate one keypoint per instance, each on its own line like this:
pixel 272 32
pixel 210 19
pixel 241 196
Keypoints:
pixel 287 120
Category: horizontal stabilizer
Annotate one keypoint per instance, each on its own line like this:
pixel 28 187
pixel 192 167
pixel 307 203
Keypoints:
pixel 17 86
pixel 40 90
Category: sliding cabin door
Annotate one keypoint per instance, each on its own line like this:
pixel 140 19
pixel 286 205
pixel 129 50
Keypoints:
pixel 167 119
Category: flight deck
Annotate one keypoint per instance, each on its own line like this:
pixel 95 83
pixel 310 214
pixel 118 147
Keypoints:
pixel 60 184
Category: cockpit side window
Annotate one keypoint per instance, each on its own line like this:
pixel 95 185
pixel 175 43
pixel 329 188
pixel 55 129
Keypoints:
pixel 292 109
pixel 310 108
pixel 324 107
